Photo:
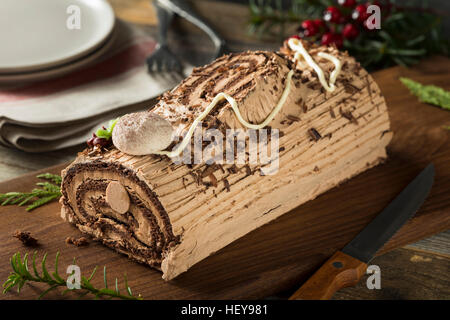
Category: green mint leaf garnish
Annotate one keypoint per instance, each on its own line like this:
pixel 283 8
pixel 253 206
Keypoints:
pixel 106 133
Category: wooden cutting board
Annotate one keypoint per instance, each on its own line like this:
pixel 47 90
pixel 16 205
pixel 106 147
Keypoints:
pixel 282 254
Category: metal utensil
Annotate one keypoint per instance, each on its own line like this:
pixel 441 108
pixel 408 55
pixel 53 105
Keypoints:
pixel 346 267
pixel 162 59
pixel 183 9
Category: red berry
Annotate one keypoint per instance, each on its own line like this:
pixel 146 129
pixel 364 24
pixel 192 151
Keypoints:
pixel 347 3
pixel 309 28
pixel 350 31
pixel 320 24
pixel 90 142
pixel 332 38
pixel 327 38
pixel 338 40
pixel 360 13
pixel 101 142
pixel 343 20
pixel 332 14
pixel 308 24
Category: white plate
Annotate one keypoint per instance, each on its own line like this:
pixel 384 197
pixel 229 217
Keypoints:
pixel 45 74
pixel 35 35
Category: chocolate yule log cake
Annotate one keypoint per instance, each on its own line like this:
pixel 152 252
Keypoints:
pixel 331 122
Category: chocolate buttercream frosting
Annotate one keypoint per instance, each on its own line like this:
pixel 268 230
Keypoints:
pixel 178 214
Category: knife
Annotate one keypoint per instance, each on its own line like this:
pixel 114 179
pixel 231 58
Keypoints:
pixel 346 267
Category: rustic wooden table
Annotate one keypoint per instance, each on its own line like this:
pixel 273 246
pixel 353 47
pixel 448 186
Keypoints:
pixel 417 271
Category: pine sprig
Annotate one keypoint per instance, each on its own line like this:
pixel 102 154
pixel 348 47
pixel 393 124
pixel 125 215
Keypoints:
pixel 46 193
pixel 272 17
pixel 428 94
pixel 56 179
pixel 21 275
pixel 407 34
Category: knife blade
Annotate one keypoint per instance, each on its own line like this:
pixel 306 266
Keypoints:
pixel 346 267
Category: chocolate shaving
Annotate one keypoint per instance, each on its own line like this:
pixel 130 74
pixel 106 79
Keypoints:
pixel 384 132
pixel 248 171
pixel 350 88
pixel 227 185
pixel 369 88
pixel 315 86
pixel 293 118
pixel 233 169
pixel 80 242
pixel 305 108
pixel 26 238
pixel 195 176
pixel 314 134
pixel 208 170
pixel 348 115
pixel 333 115
pixel 213 180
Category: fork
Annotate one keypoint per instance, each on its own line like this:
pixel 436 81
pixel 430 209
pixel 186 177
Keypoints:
pixel 184 10
pixel 162 59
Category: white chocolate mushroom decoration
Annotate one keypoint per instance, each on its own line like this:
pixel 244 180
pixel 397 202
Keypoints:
pixel 142 133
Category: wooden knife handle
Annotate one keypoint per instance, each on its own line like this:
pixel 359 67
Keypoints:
pixel 340 271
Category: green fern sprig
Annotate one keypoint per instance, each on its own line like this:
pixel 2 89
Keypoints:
pixel 21 274
pixel 46 193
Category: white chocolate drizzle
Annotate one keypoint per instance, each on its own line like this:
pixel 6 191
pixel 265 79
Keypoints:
pixel 300 50
pixel 219 97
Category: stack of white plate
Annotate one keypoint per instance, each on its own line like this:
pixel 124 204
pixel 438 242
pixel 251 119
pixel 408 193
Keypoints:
pixel 40 39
